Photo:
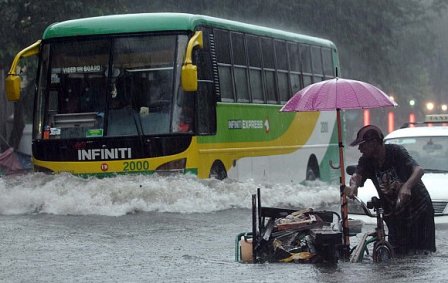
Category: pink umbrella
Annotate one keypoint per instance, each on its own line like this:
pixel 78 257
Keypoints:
pixel 338 94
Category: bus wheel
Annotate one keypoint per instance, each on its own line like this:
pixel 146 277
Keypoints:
pixel 218 171
pixel 310 175
pixel 312 169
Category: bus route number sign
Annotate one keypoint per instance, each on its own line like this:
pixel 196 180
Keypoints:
pixel 129 166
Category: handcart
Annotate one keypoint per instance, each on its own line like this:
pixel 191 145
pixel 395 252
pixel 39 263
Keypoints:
pixel 288 235
pixel 308 236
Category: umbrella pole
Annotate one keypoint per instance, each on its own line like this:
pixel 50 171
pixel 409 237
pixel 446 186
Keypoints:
pixel 344 206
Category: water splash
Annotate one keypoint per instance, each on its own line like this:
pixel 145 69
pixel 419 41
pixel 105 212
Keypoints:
pixel 65 194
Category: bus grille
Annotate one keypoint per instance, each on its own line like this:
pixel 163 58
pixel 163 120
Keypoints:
pixel 439 206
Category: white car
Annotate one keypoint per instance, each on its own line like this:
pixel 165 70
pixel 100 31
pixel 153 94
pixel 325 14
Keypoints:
pixel 428 145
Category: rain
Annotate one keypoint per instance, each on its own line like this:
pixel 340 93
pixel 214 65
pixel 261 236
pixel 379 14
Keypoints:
pixel 182 228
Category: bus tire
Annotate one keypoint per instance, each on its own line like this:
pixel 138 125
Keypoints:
pixel 310 175
pixel 312 169
pixel 218 171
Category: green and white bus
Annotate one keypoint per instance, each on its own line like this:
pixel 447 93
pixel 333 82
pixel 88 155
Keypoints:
pixel 172 92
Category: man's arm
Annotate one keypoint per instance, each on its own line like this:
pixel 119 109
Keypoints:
pixel 352 189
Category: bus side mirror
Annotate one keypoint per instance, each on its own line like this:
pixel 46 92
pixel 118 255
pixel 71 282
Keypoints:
pixel 189 77
pixel 189 74
pixel 13 81
pixel 12 87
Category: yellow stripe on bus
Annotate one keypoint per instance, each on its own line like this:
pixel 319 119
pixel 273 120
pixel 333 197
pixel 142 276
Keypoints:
pixel 292 140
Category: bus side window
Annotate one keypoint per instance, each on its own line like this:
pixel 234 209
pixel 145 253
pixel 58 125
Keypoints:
pixel 256 79
pixel 294 62
pixel 305 58
pixel 327 62
pixel 267 49
pixel 240 67
pixel 316 59
pixel 284 92
pixel 222 39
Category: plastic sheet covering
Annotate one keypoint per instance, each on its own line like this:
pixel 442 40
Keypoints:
pixel 10 163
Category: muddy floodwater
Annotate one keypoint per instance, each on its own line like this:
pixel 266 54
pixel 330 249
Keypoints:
pixel 165 229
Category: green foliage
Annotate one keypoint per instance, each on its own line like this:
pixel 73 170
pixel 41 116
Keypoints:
pixel 23 21
pixel 390 43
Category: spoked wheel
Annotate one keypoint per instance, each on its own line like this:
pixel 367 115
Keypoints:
pixel 382 251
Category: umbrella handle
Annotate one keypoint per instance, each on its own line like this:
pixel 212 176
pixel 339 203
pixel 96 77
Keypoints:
pixel 334 166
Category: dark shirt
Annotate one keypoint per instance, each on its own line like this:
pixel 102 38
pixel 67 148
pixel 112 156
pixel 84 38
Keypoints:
pixel 406 222
pixel 396 170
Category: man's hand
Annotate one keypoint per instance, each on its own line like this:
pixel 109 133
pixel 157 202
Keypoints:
pixel 404 195
pixel 351 192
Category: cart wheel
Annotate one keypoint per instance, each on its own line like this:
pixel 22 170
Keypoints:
pixel 382 251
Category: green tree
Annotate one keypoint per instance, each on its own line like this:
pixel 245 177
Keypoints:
pixel 22 22
pixel 393 44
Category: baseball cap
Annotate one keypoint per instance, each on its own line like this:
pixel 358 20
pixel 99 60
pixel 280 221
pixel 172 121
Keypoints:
pixel 367 133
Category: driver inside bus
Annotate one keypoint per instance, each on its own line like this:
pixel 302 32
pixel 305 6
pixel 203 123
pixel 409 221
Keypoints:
pixel 186 120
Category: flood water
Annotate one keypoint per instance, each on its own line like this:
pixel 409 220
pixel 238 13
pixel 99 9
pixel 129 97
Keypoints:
pixel 165 229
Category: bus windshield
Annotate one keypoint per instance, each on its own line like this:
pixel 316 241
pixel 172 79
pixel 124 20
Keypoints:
pixel 119 86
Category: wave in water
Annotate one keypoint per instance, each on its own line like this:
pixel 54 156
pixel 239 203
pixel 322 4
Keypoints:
pixel 65 194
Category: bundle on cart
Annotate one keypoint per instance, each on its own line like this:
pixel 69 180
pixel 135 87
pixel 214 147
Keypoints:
pixel 288 235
